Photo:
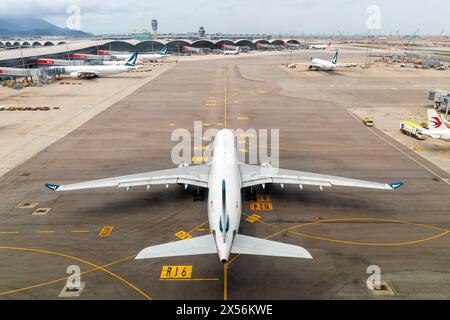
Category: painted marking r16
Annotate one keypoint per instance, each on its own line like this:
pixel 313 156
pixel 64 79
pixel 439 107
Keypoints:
pixel 176 272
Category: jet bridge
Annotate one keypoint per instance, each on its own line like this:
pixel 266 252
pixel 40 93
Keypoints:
pixel 42 75
pixel 441 100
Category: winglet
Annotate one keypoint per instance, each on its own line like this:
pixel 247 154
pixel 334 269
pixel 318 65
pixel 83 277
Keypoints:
pixel 53 187
pixel 395 185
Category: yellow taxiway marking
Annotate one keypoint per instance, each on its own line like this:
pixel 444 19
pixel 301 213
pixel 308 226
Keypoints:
pixel 80 231
pixel 253 218
pixel 202 148
pixel 183 235
pixel 261 206
pixel 192 279
pixel 44 231
pixel 225 281
pixel 176 272
pixel 199 159
pixel 225 98
pixel 199 226
pixel 106 231
pixel 359 243
pixel 9 232
pixel 96 267
pixel 263 198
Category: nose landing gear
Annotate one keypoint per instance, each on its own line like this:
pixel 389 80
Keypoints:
pixel 199 194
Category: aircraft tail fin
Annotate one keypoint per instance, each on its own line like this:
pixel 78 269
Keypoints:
pixel 131 62
pixel 164 50
pixel 335 58
pixel 435 121
pixel 255 246
pixel 189 247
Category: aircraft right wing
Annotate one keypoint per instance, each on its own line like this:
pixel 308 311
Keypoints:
pixel 252 175
pixel 195 175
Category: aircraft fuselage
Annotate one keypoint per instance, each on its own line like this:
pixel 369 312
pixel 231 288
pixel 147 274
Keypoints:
pixel 224 197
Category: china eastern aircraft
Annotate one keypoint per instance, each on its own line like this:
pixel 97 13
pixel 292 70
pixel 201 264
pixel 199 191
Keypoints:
pixel 324 65
pixel 224 178
pixel 437 127
pixel 94 71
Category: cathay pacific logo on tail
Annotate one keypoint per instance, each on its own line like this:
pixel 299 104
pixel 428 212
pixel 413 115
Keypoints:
pixel 335 58
pixel 132 60
pixel 436 122
pixel 164 50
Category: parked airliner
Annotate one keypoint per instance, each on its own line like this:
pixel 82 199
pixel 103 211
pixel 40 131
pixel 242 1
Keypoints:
pixel 224 178
pixel 94 71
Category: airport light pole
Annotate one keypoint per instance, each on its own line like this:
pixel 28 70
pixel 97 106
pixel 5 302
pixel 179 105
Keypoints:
pixel 21 56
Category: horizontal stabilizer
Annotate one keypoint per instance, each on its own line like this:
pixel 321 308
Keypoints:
pixel 189 247
pixel 254 246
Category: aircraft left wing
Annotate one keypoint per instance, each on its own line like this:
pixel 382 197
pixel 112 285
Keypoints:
pixel 257 175
pixel 293 65
pixel 195 176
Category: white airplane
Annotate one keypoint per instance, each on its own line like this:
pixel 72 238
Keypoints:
pixel 319 46
pixel 224 177
pixel 323 65
pixel 143 57
pixel 231 52
pixel 437 127
pixel 95 71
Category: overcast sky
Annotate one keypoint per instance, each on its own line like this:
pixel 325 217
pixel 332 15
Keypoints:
pixel 241 16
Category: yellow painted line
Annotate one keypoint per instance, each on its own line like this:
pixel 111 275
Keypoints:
pixel 225 281
pixel 9 232
pixel 80 231
pixel 225 98
pixel 199 226
pixel 193 279
pixel 370 243
pixel 96 267
pixel 203 230
pixel 45 232
pixel 106 231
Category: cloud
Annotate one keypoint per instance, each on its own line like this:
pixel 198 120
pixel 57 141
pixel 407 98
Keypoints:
pixel 237 16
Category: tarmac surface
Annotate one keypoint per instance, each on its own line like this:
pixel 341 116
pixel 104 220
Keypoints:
pixel 404 233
